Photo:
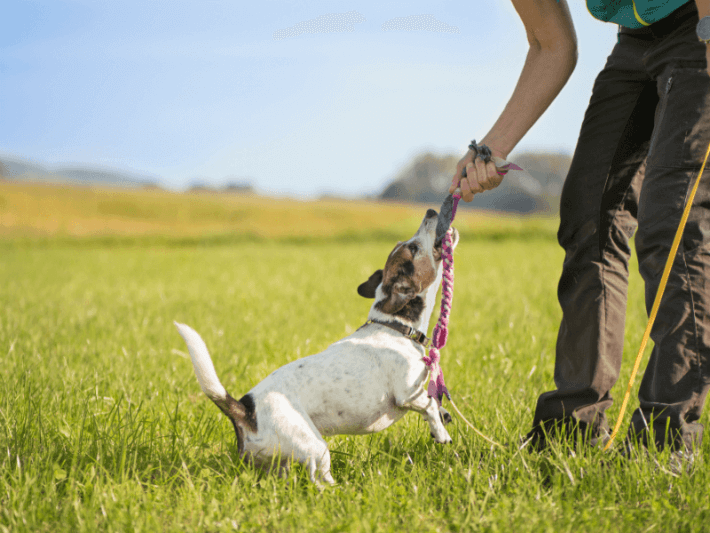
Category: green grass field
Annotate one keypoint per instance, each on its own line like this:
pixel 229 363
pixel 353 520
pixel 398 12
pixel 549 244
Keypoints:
pixel 103 426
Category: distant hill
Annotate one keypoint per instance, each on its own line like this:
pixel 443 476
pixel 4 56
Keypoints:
pixel 231 187
pixel 427 180
pixel 16 169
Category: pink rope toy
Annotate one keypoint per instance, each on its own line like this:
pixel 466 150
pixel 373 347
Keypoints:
pixel 437 388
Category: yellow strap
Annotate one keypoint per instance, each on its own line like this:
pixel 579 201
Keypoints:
pixel 657 301
pixel 484 437
pixel 638 17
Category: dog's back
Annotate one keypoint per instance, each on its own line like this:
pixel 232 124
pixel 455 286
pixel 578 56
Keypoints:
pixel 351 386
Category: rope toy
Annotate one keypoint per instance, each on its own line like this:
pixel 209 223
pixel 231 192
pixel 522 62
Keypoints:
pixel 437 388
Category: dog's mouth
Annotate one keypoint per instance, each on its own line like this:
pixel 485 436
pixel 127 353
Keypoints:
pixel 438 244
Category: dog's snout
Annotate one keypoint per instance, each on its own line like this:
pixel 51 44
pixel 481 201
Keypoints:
pixel 431 213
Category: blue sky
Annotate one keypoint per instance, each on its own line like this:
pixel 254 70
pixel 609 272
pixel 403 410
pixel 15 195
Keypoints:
pixel 268 92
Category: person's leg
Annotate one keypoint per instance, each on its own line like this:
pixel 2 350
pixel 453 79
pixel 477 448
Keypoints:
pixel 597 218
pixel 677 378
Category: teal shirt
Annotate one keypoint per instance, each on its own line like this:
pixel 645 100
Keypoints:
pixel 633 13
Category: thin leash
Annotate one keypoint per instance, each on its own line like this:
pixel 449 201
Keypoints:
pixel 437 388
pixel 657 301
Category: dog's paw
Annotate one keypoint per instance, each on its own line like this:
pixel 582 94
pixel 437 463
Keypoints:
pixel 443 438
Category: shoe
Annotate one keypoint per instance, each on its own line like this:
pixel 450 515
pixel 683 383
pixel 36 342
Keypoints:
pixel 681 461
pixel 539 436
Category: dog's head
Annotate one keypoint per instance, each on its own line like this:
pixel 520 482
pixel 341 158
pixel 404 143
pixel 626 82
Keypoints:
pixel 411 268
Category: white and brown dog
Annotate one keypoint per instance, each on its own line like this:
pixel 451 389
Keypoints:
pixel 361 384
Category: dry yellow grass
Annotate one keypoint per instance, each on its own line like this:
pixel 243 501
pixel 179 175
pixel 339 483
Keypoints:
pixel 34 210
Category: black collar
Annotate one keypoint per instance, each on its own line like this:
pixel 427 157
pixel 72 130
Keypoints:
pixel 409 332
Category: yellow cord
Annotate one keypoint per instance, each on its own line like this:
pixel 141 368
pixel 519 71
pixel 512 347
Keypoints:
pixel 472 426
pixel 657 302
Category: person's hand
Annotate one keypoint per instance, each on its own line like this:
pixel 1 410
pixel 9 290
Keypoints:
pixel 480 176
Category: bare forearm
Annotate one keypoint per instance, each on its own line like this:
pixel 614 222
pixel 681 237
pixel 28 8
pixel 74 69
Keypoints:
pixel 544 75
pixel 551 59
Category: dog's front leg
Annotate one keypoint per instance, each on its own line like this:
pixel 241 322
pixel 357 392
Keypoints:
pixel 429 409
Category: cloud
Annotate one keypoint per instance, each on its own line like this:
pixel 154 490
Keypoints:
pixel 419 23
pixel 328 23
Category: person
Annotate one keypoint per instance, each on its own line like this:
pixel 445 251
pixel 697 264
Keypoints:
pixel 641 144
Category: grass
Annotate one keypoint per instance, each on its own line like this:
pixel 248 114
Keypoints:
pixel 51 214
pixel 103 426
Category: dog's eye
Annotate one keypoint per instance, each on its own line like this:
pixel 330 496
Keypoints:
pixel 413 248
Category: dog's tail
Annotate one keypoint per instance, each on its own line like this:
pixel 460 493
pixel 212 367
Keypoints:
pixel 240 412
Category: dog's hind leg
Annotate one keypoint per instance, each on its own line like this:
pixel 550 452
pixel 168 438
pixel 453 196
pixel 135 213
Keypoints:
pixel 287 430
pixel 313 453
pixel 314 456
pixel 429 409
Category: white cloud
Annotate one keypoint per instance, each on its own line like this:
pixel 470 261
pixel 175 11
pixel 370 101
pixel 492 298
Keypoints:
pixel 419 23
pixel 328 23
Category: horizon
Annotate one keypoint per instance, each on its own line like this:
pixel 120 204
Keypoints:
pixel 133 178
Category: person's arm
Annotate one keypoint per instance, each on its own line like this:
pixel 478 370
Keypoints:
pixel 551 59
pixel 704 11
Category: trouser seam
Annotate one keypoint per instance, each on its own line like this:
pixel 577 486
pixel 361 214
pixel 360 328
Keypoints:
pixel 698 386
pixel 604 255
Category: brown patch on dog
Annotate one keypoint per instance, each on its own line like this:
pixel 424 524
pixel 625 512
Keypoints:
pixel 406 274
pixel 241 414
pixel 250 411
pixel 437 252
pixel 412 310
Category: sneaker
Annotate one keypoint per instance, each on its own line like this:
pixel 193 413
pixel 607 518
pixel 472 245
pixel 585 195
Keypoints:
pixel 679 462
pixel 682 461
pixel 538 437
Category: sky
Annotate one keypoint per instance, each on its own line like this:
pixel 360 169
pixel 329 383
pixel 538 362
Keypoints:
pixel 298 98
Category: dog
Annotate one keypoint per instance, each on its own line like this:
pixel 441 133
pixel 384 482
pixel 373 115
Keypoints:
pixel 361 384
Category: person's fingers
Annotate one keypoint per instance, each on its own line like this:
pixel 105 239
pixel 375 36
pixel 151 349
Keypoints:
pixel 482 174
pixel 493 178
pixel 466 194
pixel 473 176
pixel 457 178
pixel 480 177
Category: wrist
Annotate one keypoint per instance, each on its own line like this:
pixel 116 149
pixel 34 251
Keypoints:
pixel 495 148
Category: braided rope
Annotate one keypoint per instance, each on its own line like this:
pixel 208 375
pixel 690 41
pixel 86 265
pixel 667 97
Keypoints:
pixel 437 387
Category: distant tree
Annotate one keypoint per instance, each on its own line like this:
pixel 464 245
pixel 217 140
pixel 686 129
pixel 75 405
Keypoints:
pixel 238 187
pixel 426 179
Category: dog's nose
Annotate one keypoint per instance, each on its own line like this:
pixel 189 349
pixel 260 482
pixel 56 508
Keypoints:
pixel 431 213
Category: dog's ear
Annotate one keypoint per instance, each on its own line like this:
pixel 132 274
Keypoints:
pixel 367 289
pixel 399 295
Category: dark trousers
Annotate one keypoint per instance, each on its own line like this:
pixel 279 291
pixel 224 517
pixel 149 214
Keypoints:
pixel 641 145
